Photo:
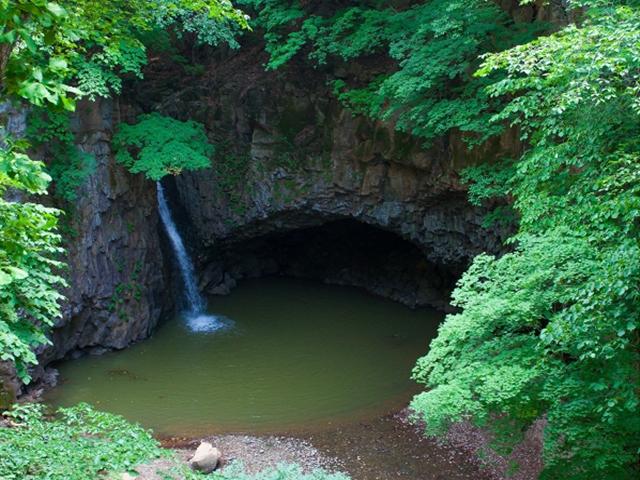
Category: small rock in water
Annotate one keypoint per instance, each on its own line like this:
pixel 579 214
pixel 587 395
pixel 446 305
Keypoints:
pixel 205 459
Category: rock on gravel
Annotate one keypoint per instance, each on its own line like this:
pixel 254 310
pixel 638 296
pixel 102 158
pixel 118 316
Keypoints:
pixel 205 459
pixel 258 453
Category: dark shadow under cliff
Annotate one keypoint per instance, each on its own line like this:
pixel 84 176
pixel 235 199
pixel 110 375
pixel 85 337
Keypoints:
pixel 340 251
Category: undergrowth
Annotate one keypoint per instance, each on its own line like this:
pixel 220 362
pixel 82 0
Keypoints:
pixel 66 163
pixel 80 443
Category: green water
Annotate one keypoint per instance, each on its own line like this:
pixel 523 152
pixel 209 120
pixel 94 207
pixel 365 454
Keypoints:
pixel 299 355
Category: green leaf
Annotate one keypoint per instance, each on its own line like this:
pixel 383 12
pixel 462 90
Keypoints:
pixel 56 9
pixel 58 63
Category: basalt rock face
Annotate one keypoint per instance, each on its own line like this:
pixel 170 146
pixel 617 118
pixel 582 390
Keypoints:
pixel 290 157
pixel 299 186
pixel 115 273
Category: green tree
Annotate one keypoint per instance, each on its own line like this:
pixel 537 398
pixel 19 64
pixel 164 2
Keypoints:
pixel 157 146
pixel 551 328
pixel 429 50
pixel 29 245
pixel 51 53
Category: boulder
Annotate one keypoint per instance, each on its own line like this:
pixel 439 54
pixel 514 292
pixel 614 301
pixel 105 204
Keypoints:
pixel 205 459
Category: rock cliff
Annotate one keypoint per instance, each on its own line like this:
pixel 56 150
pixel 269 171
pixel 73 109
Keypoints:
pixel 298 186
pixel 115 263
pixel 291 159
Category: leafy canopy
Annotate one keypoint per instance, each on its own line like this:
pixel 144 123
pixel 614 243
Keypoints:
pixel 432 48
pixel 53 51
pixel 551 328
pixel 157 146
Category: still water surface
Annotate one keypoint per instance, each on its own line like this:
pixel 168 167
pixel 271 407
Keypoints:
pixel 295 355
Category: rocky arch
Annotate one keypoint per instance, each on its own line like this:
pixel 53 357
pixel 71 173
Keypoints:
pixel 335 250
pixel 289 158
pixel 409 251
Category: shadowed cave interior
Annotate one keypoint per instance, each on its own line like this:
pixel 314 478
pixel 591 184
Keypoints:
pixel 339 251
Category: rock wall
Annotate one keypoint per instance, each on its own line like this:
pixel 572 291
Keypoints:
pixel 116 267
pixel 290 157
pixel 115 262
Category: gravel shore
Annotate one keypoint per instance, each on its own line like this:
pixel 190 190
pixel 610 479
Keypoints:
pixel 389 447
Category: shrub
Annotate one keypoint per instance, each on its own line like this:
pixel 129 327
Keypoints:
pixel 157 146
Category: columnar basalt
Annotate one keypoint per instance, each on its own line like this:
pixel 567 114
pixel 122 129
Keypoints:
pixel 115 272
pixel 290 157
pixel 292 168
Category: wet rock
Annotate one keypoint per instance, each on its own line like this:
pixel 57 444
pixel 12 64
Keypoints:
pixel 116 268
pixel 205 459
pixel 295 158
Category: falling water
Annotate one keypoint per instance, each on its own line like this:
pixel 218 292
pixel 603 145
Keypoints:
pixel 197 319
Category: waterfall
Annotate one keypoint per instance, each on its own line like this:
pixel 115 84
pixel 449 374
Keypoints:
pixel 196 305
pixel 197 319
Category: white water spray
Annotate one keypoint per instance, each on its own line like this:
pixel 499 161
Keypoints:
pixel 197 319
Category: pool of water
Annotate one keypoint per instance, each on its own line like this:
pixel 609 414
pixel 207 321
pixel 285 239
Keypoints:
pixel 295 354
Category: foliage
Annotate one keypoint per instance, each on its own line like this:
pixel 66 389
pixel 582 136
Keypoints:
pixel 159 146
pixel 80 443
pixel 432 46
pixel 207 30
pixel 282 472
pixel 68 165
pixel 30 66
pixel 29 245
pixel 53 51
pixel 551 328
